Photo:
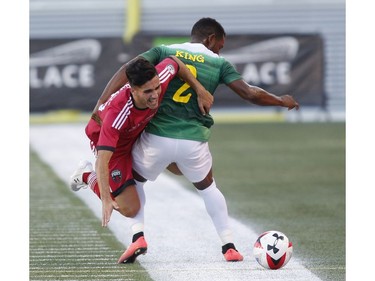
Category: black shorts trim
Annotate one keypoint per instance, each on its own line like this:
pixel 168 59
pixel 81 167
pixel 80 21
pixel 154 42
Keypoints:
pixel 122 187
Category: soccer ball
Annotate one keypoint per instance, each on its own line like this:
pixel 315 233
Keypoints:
pixel 273 250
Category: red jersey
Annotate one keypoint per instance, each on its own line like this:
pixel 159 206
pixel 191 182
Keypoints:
pixel 121 121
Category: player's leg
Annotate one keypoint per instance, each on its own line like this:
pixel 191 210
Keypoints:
pixel 216 207
pixel 148 162
pixel 137 221
pixel 128 201
pixel 195 162
pixel 123 189
pixel 139 244
pixel 130 198
pixel 121 180
pixel 127 198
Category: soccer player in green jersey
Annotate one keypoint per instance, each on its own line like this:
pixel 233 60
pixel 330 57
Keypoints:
pixel 177 137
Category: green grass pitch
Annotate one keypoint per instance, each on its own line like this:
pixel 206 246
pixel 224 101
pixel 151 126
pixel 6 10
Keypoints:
pixel 288 177
pixel 281 176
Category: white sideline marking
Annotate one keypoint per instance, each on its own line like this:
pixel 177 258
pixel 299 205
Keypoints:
pixel 183 244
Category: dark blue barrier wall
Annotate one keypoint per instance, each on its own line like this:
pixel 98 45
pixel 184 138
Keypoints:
pixel 71 74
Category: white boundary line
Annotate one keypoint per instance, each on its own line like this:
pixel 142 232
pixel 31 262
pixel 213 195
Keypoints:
pixel 183 244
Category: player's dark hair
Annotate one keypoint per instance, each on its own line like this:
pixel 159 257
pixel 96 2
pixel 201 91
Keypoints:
pixel 139 71
pixel 205 27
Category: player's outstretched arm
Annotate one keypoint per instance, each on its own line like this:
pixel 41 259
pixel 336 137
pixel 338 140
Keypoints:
pixel 101 168
pixel 261 97
pixel 205 98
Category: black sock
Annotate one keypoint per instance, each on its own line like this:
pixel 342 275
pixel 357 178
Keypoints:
pixel 137 235
pixel 226 247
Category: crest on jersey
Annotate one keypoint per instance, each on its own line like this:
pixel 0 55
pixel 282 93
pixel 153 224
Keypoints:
pixel 116 175
pixel 171 69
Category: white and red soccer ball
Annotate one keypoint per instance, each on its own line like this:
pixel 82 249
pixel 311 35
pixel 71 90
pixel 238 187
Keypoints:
pixel 272 249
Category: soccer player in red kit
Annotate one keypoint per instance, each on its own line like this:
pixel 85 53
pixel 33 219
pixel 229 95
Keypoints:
pixel 114 128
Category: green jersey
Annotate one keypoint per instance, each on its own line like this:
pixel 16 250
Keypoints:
pixel 179 115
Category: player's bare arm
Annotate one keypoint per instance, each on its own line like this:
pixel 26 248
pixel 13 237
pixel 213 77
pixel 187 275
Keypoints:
pixel 103 180
pixel 260 96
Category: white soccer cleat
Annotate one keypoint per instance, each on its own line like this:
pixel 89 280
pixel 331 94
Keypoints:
pixel 76 180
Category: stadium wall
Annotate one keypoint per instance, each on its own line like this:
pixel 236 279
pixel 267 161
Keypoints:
pixel 96 18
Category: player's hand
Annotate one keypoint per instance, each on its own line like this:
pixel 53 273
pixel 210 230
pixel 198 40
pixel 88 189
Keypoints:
pixel 107 207
pixel 205 101
pixel 289 102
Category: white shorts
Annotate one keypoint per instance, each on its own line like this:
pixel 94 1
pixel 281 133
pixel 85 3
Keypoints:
pixel 152 154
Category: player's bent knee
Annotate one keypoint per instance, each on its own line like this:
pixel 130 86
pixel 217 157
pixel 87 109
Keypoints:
pixel 206 182
pixel 129 211
pixel 128 202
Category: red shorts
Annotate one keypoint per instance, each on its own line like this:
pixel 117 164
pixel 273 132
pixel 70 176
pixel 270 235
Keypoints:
pixel 120 172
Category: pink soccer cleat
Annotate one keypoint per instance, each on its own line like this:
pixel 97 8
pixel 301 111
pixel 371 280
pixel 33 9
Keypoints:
pixel 233 255
pixel 139 247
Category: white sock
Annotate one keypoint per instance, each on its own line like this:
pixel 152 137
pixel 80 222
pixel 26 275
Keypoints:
pixel 92 180
pixel 216 207
pixel 137 222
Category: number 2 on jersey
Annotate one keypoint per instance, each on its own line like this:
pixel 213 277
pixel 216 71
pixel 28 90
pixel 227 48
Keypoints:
pixel 179 94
